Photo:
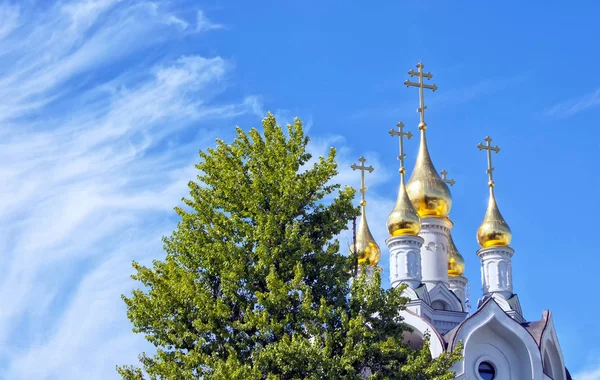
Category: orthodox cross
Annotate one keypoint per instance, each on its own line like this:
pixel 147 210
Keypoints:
pixel 421 87
pixel 401 134
pixel 450 182
pixel 362 169
pixel 489 149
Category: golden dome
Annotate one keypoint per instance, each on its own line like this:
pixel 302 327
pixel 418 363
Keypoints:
pixel 429 195
pixel 403 219
pixel 366 247
pixel 456 263
pixel 494 231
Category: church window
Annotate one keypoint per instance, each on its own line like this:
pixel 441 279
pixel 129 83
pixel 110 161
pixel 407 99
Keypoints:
pixel 487 371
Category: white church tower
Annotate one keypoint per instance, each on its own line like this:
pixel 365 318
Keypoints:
pixel 404 224
pixel 494 236
pixel 498 343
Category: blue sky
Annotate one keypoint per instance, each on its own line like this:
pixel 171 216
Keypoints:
pixel 104 105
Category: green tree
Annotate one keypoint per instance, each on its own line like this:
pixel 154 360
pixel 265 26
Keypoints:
pixel 253 285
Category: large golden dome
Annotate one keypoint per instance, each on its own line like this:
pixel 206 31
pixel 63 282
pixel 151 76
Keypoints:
pixel 404 219
pixel 494 231
pixel 456 263
pixel 367 249
pixel 429 195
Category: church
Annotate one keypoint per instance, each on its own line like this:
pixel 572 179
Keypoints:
pixel 499 344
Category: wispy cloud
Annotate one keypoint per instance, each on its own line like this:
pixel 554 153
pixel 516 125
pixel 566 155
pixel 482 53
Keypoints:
pixel 9 19
pixel 476 90
pixel 446 98
pixel 575 106
pixel 591 369
pixel 593 374
pixel 203 24
pixel 97 143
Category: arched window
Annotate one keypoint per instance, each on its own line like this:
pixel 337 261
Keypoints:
pixel 439 305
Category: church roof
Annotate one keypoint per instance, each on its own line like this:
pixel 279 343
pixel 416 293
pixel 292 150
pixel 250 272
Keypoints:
pixel 536 328
pixel 450 335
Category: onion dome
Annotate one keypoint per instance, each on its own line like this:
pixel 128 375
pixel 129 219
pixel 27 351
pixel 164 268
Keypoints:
pixel 366 248
pixel 428 193
pixel 404 219
pixel 494 231
pixel 456 263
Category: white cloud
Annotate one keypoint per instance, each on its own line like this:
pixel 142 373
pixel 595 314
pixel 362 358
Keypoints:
pixel 449 97
pixel 575 106
pixel 203 24
pixel 9 19
pixel 482 88
pixel 174 20
pixel 83 14
pixel 593 374
pixel 92 162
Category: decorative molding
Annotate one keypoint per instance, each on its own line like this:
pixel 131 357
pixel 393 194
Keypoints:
pixel 434 247
pixel 449 325
pixel 435 233
pixel 429 227
pixel 404 241
pixel 458 280
pixel 441 292
pixel 502 252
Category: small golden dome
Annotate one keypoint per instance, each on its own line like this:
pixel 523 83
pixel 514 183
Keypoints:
pixel 494 231
pixel 456 263
pixel 366 247
pixel 429 195
pixel 403 219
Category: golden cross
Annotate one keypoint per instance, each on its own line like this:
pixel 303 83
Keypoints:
pixel 401 134
pixel 421 86
pixel 450 182
pixel 362 169
pixel 489 149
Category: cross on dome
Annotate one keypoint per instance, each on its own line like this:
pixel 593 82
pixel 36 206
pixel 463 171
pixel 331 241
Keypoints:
pixel 421 85
pixel 489 149
pixel 362 169
pixel 450 182
pixel 401 134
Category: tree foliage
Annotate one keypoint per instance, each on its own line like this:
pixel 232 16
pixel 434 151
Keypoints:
pixel 253 285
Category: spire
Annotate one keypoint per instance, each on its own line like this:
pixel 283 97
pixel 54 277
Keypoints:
pixel 404 219
pixel 494 231
pixel 428 193
pixel 366 248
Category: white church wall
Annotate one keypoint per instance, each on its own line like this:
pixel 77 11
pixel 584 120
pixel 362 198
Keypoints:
pixel 405 260
pixel 434 252
pixel 553 361
pixel 492 336
pixel 496 270
pixel 422 327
